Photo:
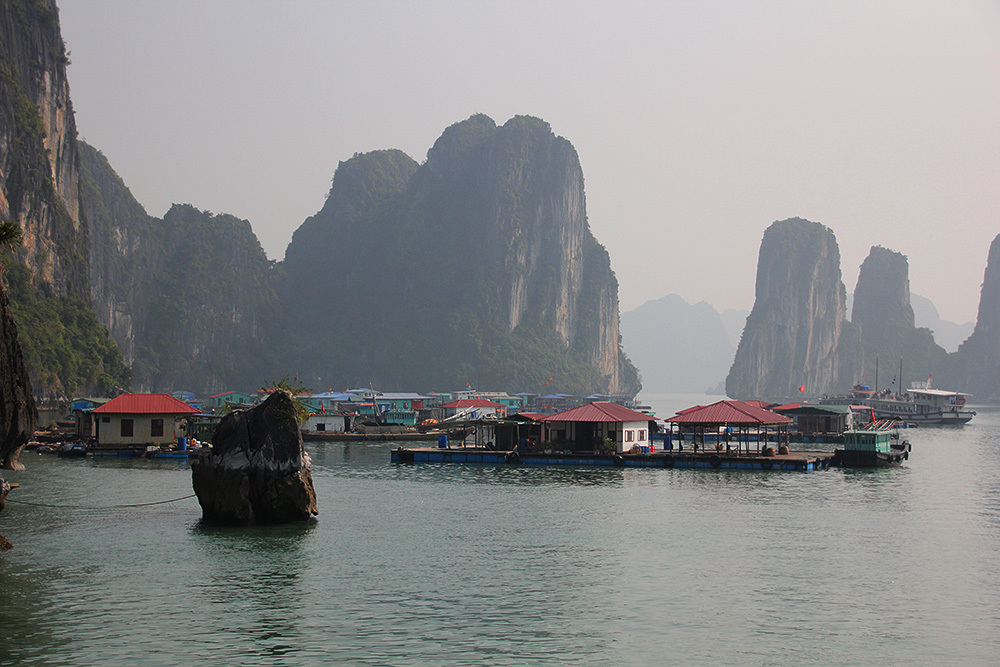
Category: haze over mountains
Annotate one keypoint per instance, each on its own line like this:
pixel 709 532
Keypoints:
pixel 680 347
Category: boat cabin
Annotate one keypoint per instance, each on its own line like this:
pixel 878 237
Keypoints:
pixel 868 440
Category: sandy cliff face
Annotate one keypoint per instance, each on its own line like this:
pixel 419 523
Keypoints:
pixel 39 162
pixel 797 331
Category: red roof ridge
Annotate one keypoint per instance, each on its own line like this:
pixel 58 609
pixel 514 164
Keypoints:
pixel 161 404
pixel 600 411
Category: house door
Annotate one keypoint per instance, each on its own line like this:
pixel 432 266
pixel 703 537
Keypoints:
pixel 585 434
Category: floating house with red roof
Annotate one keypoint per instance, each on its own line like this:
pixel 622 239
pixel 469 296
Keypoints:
pixel 134 420
pixel 588 428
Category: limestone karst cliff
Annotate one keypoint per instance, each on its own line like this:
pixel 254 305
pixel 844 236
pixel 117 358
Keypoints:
pixel 477 266
pixel 885 320
pixel 185 296
pixel 39 164
pixel 126 249
pixel 797 334
pixel 65 348
pixel 976 366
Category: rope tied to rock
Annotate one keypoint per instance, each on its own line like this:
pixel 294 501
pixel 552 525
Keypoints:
pixel 101 507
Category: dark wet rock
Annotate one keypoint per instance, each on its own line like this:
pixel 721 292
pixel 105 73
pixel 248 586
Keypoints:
pixel 257 471
pixel 18 414
pixel 4 490
pixel 5 544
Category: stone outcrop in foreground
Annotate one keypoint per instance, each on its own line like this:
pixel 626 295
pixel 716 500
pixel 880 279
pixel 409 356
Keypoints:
pixel 18 415
pixel 257 471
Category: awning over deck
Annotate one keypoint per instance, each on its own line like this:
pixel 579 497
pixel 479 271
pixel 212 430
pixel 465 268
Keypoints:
pixel 729 421
pixel 730 413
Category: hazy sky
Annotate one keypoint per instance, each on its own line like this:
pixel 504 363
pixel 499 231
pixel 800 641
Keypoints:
pixel 697 123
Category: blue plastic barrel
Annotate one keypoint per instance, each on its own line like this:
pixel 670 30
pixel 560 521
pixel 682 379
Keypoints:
pixel 182 444
pixel 442 441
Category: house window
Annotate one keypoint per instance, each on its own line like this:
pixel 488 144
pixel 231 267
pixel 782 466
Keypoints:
pixel 320 427
pixel 628 435
pixel 126 428
pixel 105 420
pixel 156 428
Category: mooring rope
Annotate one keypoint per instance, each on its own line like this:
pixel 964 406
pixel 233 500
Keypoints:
pixel 102 507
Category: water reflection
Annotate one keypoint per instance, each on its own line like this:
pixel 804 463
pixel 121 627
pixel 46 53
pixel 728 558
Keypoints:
pixel 250 584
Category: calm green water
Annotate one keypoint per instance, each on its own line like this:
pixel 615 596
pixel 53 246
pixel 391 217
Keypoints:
pixel 414 565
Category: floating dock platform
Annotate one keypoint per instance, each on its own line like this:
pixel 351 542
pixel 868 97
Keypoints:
pixel 794 461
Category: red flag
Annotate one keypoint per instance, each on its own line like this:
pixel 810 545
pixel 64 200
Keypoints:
pixel 802 388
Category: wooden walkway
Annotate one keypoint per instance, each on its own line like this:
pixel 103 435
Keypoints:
pixel 793 461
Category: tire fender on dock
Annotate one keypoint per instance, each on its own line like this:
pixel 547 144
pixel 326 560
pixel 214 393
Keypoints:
pixel 715 461
pixel 668 461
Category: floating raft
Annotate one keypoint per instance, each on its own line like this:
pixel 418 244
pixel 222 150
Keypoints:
pixel 794 461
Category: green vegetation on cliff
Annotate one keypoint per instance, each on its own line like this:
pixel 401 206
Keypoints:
pixel 66 350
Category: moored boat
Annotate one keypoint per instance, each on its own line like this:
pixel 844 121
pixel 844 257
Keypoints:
pixel 876 445
pixel 72 450
pixel 920 405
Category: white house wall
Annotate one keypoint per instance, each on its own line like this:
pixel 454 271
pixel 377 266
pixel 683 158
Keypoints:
pixel 109 432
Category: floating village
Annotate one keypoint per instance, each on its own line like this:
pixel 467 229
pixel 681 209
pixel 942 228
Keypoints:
pixel 860 428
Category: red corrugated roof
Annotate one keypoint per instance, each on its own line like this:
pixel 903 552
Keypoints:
pixel 599 411
pixel 145 404
pixel 729 412
pixel 474 403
